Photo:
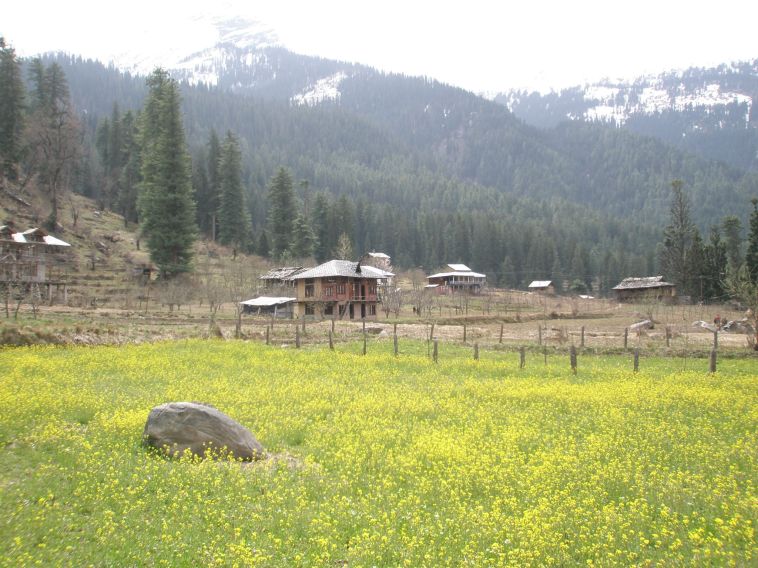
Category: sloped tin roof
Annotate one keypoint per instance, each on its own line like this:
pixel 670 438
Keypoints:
pixel 265 301
pixel 341 268
pixel 641 283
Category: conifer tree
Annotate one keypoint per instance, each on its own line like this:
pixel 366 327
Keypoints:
pixel 167 212
pixel 262 246
pixel 130 175
pixel 696 261
pixel 677 238
pixel 281 212
pixel 751 258
pixel 733 242
pixel 322 228
pixel 234 222
pixel 714 272
pixel 303 239
pixel 208 194
pixel 11 112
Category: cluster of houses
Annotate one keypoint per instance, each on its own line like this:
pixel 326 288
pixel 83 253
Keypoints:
pixel 352 290
pixel 25 257
pixel 338 288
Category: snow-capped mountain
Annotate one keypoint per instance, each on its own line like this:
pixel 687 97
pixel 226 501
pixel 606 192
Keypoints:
pixel 215 45
pixel 239 54
pixel 709 111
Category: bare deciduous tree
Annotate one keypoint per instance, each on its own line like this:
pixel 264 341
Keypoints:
pixel 392 301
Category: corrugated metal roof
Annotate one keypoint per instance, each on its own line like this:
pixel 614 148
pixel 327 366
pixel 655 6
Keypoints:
pixel 26 237
pixel 459 267
pixel 641 283
pixel 540 283
pixel 282 273
pixel 457 273
pixel 343 268
pixel 264 301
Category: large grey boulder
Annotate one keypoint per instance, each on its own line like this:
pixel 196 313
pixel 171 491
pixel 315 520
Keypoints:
pixel 178 426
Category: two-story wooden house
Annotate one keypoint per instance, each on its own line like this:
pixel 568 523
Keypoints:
pixel 460 278
pixel 338 288
pixel 25 260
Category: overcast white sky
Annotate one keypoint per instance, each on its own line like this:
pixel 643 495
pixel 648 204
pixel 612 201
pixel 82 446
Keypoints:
pixel 483 46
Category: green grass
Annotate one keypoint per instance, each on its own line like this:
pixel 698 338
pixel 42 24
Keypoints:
pixel 379 461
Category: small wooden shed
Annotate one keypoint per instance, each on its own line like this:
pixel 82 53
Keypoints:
pixel 645 289
pixel 542 287
pixel 279 307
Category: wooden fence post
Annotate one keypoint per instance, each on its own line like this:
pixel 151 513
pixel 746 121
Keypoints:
pixel 668 336
pixel 544 352
pixel 713 361
pixel 476 351
pixel 268 338
pixel 333 324
pixel 636 359
pixel 715 340
pixel 539 335
pixel 364 342
pixel 582 344
pixel 331 340
pixel 501 334
pixel 303 323
pixel 394 343
pixel 626 337
pixel 522 357
pixel 435 352
pixel 464 333
pixel 297 337
pixel 572 356
pixel 431 333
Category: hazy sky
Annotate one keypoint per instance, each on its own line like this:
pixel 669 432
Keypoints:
pixel 484 46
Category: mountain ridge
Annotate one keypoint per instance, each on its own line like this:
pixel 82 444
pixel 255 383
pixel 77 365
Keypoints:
pixel 708 111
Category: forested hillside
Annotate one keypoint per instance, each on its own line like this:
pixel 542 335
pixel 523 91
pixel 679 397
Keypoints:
pixel 423 171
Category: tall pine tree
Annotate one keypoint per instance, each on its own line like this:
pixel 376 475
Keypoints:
pixel 167 212
pixel 281 199
pixel 751 258
pixel 677 238
pixel 11 112
pixel 234 222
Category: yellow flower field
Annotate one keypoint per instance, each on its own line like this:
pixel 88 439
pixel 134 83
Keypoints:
pixel 377 460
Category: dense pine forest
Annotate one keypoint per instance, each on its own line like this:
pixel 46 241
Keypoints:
pixel 425 172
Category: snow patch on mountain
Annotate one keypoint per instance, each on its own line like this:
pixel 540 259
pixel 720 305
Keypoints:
pixel 616 104
pixel 326 89
pixel 221 41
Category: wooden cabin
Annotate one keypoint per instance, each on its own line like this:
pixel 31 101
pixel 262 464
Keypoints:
pixel 542 287
pixel 460 278
pixel 26 259
pixel 645 289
